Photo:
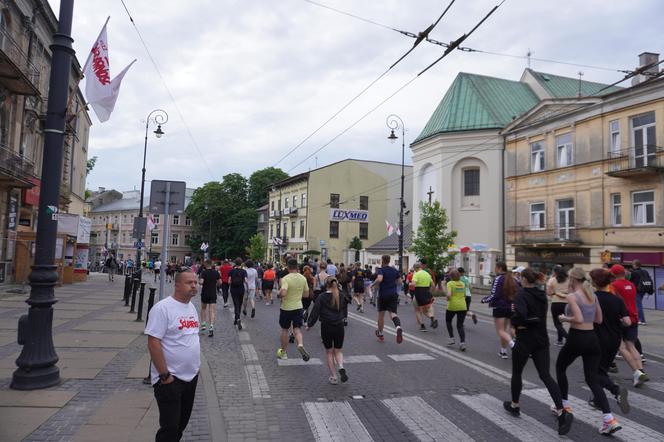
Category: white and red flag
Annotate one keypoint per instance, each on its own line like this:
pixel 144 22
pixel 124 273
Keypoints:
pixel 390 229
pixel 102 92
pixel 151 223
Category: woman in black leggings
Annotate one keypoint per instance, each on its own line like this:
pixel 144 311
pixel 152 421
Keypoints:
pixel 557 288
pixel 582 312
pixel 529 321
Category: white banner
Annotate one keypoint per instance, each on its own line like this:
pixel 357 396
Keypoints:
pixel 356 216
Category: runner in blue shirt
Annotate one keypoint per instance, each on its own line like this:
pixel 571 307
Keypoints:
pixel 387 280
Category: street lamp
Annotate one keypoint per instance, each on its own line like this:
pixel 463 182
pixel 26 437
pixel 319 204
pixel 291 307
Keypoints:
pixel 36 363
pixel 159 117
pixel 394 122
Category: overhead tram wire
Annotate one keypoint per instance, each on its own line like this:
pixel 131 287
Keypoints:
pixel 168 91
pixel 422 35
pixel 453 45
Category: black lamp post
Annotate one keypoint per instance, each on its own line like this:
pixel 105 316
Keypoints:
pixel 36 363
pixel 159 117
pixel 394 122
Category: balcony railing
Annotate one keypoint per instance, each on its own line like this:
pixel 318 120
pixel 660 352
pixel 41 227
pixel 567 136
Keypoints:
pixel 16 167
pixel 17 73
pixel 636 161
pixel 556 234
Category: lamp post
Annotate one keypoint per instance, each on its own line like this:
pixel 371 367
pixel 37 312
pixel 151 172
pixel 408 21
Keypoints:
pixel 36 363
pixel 394 122
pixel 158 117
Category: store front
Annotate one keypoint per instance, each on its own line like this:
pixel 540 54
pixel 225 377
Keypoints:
pixel 653 263
pixel 545 259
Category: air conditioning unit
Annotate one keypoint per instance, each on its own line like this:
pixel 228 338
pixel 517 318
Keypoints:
pixel 286 211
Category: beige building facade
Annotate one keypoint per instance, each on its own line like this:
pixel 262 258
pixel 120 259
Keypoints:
pixel 322 210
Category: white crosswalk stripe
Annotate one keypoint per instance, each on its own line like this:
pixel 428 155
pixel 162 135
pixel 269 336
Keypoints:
pixel 523 428
pixel 423 420
pixel 642 402
pixel 411 357
pixel 335 422
pixel 659 386
pixel 356 359
pixel 631 430
pixel 298 361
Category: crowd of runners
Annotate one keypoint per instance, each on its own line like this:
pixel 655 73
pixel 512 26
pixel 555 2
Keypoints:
pixel 600 308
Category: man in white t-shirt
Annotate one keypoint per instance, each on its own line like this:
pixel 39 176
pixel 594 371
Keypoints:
pixel 331 269
pixel 175 350
pixel 157 269
pixel 252 285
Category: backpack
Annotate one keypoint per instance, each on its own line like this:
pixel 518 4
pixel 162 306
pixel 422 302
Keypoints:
pixel 645 284
pixel 237 280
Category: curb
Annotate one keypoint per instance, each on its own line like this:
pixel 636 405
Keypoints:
pixel 218 431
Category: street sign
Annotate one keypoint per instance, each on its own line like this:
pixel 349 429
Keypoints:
pixel 322 243
pixel 158 197
pixel 139 244
pixel 140 224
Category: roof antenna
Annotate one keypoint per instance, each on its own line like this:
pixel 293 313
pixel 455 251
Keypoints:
pixel 580 76
pixel 528 54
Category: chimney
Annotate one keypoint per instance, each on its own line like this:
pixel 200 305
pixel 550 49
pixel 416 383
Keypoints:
pixel 102 189
pixel 646 58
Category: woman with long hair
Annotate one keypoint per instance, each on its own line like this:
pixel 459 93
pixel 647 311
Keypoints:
pixel 309 295
pixel 582 313
pixel 502 291
pixel 329 308
pixel 557 289
pixel 532 340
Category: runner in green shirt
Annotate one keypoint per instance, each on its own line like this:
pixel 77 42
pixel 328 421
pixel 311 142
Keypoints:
pixel 469 298
pixel 293 287
pixel 456 306
pixel 421 286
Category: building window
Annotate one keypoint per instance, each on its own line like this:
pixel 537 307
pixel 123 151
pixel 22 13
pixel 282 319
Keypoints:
pixel 616 209
pixel 292 229
pixel 187 221
pixel 643 208
pixel 537 216
pixel 187 239
pixel 156 218
pixel 301 228
pixel 285 230
pixel 272 205
pixel 334 229
pixel 364 230
pixel 176 220
pixel 537 156
pixel 271 230
pixel 565 218
pixel 279 204
pixel 644 139
pixel 304 200
pixel 175 239
pixel 364 203
pixel 564 150
pixel 614 135
pixel 294 201
pixel 154 238
pixel 471 182
pixel 334 200
pixel 286 203
pixel 278 230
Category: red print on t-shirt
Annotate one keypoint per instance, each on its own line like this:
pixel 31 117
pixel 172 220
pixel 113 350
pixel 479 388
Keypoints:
pixel 187 323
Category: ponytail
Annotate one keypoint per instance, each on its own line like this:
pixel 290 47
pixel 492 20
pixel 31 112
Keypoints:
pixel 332 285
pixel 578 274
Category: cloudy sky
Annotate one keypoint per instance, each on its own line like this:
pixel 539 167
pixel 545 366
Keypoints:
pixel 252 78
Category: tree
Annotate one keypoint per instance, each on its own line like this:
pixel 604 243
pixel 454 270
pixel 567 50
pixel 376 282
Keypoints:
pixel 257 248
pixel 90 165
pixel 259 183
pixel 432 238
pixel 356 244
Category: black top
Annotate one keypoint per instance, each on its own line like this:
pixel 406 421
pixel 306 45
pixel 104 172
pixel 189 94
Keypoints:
pixel 613 309
pixel 529 317
pixel 210 278
pixel 388 286
pixel 237 274
pixel 328 313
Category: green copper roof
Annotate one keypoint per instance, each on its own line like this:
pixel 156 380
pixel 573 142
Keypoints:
pixel 478 102
pixel 566 87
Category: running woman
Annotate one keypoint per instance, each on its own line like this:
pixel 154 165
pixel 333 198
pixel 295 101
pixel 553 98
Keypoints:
pixel 252 285
pixel 582 312
pixel 616 318
pixel 329 308
pixel 532 340
pixel 209 279
pixel 387 280
pixel 225 271
pixel 556 289
pixel 456 306
pixel 421 287
pixel 358 286
pixel 469 296
pixel 293 286
pixel 268 284
pixel 502 291
pixel 237 280
pixel 309 296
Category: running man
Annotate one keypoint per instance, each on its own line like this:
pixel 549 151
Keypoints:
pixel 157 269
pixel 237 280
pixel 421 287
pixel 252 285
pixel 209 279
pixel 293 288
pixel 387 279
pixel 225 271
pixel 358 286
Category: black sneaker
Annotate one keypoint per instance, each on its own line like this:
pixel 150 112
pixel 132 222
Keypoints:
pixel 235 322
pixel 343 375
pixel 423 328
pixel 565 422
pixel 514 411
pixel 239 325
pixel 244 312
pixel 345 322
pixel 303 353
pixel 211 333
pixel 253 313
pixel 291 339
pixel 434 323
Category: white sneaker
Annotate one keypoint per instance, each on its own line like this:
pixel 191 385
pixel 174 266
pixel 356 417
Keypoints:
pixel 639 378
pixel 450 341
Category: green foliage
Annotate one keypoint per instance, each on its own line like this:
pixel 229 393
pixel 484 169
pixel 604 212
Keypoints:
pixel 90 165
pixel 259 183
pixel 257 249
pixel 88 193
pixel 433 238
pixel 355 243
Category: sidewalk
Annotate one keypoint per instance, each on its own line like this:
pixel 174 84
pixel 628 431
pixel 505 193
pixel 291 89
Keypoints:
pixel 103 360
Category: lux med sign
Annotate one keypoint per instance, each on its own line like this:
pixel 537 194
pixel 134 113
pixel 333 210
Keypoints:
pixel 358 216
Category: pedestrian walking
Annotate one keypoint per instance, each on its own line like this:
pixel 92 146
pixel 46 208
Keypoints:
pixel 469 297
pixel 111 266
pixel 210 280
pixel 421 286
pixel 292 288
pixel 329 307
pixel 252 285
pixel 225 271
pixel 582 312
pixel 500 299
pixel 387 280
pixel 456 307
pixel 557 290
pixel 237 281
pixel 644 286
pixel 532 341
pixel 174 348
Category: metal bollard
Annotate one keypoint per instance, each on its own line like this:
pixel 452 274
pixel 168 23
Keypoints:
pixel 127 290
pixel 141 297
pixel 150 302
pixel 134 289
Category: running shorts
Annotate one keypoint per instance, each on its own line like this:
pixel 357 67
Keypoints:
pixel 358 290
pixel 423 296
pixel 157 271
pixel 251 294
pixel 631 333
pixel 288 317
pixel 268 284
pixel 332 335
pixel 388 303
pixel 209 298
pixel 502 313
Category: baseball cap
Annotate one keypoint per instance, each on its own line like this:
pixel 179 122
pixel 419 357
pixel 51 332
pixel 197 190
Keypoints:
pixel 617 269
